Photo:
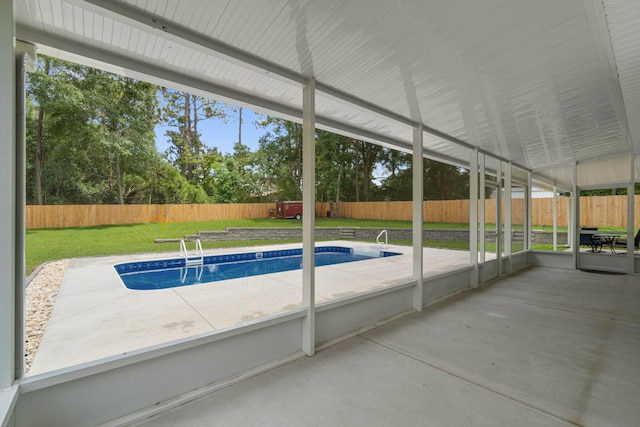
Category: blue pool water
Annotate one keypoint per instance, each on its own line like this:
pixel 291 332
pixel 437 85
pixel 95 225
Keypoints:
pixel 172 273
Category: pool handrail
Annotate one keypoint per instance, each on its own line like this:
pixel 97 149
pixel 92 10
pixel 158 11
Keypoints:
pixel 197 258
pixel 385 238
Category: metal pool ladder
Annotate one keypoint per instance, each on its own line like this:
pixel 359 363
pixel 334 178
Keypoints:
pixel 184 272
pixel 191 260
pixel 385 238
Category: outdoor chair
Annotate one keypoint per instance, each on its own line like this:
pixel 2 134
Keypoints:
pixel 590 239
pixel 623 242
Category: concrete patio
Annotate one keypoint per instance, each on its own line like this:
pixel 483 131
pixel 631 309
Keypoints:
pixel 542 347
pixel 96 317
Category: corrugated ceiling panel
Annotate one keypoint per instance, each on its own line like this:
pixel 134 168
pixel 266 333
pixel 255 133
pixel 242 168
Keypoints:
pixel 371 59
pixel 560 176
pixel 446 151
pixel 491 166
pixel 623 19
pixel 519 175
pixel 158 7
pixel 446 148
pixel 600 172
pixel 329 106
pixel 528 87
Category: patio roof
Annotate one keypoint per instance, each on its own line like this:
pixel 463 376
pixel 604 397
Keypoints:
pixel 542 84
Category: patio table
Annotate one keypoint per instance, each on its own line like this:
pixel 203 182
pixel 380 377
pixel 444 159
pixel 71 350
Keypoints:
pixel 610 237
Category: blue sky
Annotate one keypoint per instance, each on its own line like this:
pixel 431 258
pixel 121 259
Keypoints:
pixel 217 133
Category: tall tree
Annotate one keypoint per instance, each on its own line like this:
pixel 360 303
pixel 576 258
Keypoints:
pixel 39 129
pixel 52 89
pixel 344 166
pixel 364 157
pixel 124 114
pixel 445 182
pixel 397 183
pixel 441 181
pixel 93 134
pixel 356 166
pixel 279 158
pixel 60 117
pixel 184 113
pixel 369 155
pixel 333 158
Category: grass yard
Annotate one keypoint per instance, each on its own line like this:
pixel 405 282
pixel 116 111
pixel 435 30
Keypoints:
pixel 50 244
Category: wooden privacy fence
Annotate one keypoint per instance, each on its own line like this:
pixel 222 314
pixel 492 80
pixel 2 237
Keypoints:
pixel 608 210
pixel 60 216
pixel 594 211
pixel 453 211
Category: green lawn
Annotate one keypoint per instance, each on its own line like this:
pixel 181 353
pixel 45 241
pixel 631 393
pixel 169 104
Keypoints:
pixel 58 243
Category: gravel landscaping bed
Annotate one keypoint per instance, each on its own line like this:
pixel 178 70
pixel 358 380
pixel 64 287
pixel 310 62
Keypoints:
pixel 40 296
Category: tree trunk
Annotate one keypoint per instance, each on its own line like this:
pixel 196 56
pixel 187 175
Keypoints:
pixel 186 137
pixel 366 171
pixel 38 158
pixel 153 172
pixel 195 161
pixel 240 126
pixel 119 180
pixel 195 123
pixel 110 175
pixel 337 215
pixel 357 168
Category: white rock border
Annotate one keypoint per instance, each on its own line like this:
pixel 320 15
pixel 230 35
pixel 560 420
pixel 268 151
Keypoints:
pixel 40 296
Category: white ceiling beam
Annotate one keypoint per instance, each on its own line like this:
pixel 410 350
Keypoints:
pixel 180 34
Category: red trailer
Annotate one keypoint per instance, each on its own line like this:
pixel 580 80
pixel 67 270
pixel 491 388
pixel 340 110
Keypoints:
pixel 289 210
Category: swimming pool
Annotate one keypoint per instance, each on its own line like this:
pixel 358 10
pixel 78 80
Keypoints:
pixel 170 273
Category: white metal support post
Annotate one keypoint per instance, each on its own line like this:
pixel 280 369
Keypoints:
pixel 7 189
pixel 507 216
pixel 630 219
pixel 555 218
pixel 25 61
pixel 482 211
pixel 528 214
pixel 308 216
pixel 499 231
pixel 574 212
pixel 418 197
pixel 20 202
pixel 473 217
pixel 571 221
